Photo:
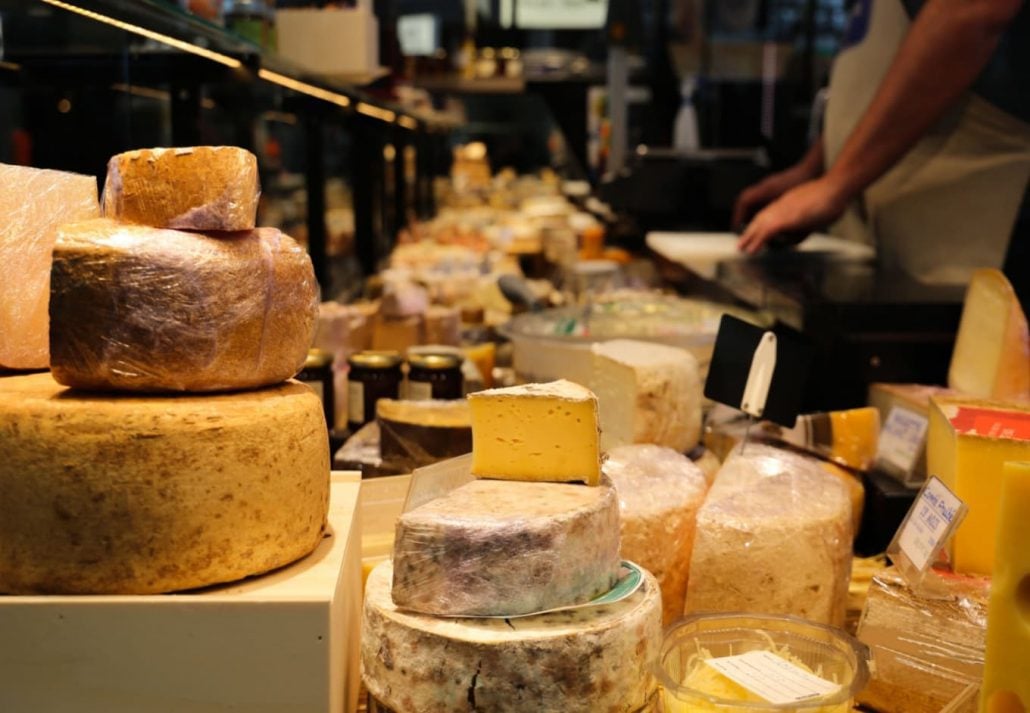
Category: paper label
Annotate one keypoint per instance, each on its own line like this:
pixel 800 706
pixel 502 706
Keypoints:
pixel 929 523
pixel 420 390
pixel 902 439
pixel 355 402
pixel 992 423
pixel 772 677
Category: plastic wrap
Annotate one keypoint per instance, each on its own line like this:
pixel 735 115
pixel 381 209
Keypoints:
pixel 660 492
pixel 417 433
pixel 581 661
pixel 928 652
pixel 774 536
pixel 33 202
pixel 189 188
pixel 847 438
pixel 503 548
pixel 145 309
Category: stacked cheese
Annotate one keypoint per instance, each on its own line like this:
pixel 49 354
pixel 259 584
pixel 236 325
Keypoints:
pixel 127 493
pixel 537 530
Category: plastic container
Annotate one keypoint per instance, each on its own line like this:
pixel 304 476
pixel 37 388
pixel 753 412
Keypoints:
pixel 830 653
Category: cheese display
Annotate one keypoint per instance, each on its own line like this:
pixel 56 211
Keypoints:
pixel 848 438
pixel 856 491
pixel 536 432
pixel 904 411
pixel 495 547
pixel 590 660
pixel 134 495
pixel 417 433
pixel 992 348
pixel 397 334
pixel 33 203
pixel 927 651
pixel 646 393
pixel 1006 685
pixel 773 536
pixel 144 309
pixel 191 188
pixel 443 325
pixel 660 492
pixel 967 445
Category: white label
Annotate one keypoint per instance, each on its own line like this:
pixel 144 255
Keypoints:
pixel 902 439
pixel 420 390
pixel 928 523
pixel 355 402
pixel 772 677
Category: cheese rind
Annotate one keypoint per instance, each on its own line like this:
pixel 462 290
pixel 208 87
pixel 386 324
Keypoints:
pixel 189 188
pixel 660 492
pixel 589 660
pixel 143 309
pixel 494 547
pixel 543 432
pixel 774 536
pixel 414 434
pixel 646 393
pixel 33 202
pixel 131 495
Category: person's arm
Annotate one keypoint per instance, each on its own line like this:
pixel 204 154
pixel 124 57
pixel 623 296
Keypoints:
pixel 775 185
pixel 948 45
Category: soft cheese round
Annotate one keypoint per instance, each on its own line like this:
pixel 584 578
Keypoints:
pixel 595 660
pixel 497 547
pixel 131 495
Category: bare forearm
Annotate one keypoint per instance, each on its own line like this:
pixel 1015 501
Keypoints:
pixel 949 44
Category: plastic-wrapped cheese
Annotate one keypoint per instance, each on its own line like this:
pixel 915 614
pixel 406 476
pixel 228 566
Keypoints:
pixel 774 536
pixel 137 495
pixel 660 492
pixel 190 188
pixel 583 660
pixel 33 202
pixel 144 309
pixel 495 547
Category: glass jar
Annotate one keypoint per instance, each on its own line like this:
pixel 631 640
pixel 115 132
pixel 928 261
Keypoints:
pixel 434 376
pixel 373 375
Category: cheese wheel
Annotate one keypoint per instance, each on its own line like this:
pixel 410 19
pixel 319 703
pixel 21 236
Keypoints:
pixel 143 309
pixel 131 495
pixel 191 188
pixel 590 660
pixel 494 547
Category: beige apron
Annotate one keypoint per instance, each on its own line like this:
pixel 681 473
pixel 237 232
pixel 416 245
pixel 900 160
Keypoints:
pixel 949 205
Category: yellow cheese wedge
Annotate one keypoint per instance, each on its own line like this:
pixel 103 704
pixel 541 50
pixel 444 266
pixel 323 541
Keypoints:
pixel 967 444
pixel 1006 685
pixel 992 349
pixel 539 432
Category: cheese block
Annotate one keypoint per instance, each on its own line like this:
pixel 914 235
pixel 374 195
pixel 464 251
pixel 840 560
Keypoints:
pixel 144 309
pixel 443 325
pixel 848 438
pixel 927 651
pixel 192 188
pixel 33 202
pixel 856 491
pixel 992 348
pixel 483 356
pixel 646 393
pixel 705 459
pixel 969 441
pixel 397 334
pixel 136 495
pixel 418 433
pixel 536 432
pixel 660 492
pixel 1006 684
pixel 773 537
pixel 494 547
pixel 589 660
pixel 904 412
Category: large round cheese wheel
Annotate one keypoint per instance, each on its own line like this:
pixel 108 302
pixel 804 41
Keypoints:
pixel 130 495
pixel 143 309
pixel 590 660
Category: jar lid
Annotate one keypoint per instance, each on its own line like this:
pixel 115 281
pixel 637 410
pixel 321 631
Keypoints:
pixel 375 359
pixel 317 358
pixel 434 362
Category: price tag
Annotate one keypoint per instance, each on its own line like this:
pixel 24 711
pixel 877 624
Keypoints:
pixel 902 439
pixel 935 514
pixel 772 677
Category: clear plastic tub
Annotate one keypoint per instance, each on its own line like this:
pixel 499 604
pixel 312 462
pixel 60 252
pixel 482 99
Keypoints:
pixel 825 651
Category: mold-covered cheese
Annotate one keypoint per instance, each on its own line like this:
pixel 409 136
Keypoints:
pixel 660 492
pixel 646 393
pixel 189 188
pixel 144 309
pixel 543 432
pixel 595 660
pixel 131 495
pixel 495 547
pixel 33 202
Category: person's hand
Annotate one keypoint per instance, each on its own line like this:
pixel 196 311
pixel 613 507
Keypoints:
pixel 799 211
pixel 756 197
